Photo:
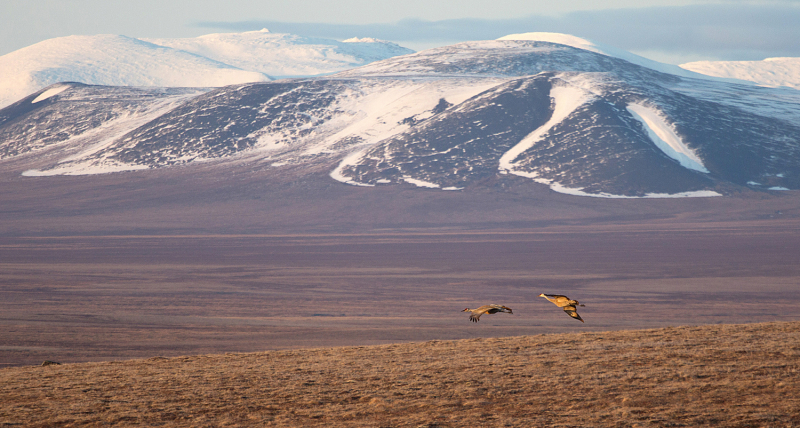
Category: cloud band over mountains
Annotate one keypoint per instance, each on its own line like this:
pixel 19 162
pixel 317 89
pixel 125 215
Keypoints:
pixel 730 31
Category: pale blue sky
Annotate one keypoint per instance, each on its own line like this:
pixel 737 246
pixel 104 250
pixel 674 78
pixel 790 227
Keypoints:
pixel 673 31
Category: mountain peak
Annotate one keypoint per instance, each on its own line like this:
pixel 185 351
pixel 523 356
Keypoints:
pixel 586 44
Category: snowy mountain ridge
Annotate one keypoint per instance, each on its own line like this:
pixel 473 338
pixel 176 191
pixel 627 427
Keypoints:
pixel 471 115
pixel 282 55
pixel 213 60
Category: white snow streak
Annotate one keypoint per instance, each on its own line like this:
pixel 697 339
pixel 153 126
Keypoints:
pixel 350 159
pixel 420 183
pixel 87 170
pixel 566 100
pixel 665 138
pixel 556 187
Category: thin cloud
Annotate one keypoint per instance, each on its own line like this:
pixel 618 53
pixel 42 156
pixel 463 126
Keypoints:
pixel 734 31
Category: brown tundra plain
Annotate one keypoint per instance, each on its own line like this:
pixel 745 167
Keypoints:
pixel 721 375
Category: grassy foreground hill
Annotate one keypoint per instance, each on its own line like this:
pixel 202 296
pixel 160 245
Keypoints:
pixel 712 375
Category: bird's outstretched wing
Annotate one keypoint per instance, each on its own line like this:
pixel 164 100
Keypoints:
pixel 487 309
pixel 572 311
pixel 493 309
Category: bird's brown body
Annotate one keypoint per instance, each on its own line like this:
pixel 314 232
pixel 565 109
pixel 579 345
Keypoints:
pixel 486 309
pixel 569 305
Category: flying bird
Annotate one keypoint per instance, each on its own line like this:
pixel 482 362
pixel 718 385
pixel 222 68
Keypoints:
pixel 486 309
pixel 569 305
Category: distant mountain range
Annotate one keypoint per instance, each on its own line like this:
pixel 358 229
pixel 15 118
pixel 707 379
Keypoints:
pixel 552 109
pixel 769 72
pixel 208 61
pixel 281 55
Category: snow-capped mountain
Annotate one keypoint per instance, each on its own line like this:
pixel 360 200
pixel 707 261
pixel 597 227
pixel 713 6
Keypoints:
pixel 469 115
pixel 286 55
pixel 769 72
pixel 110 60
pixel 209 61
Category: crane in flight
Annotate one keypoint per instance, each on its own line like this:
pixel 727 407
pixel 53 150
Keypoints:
pixel 570 306
pixel 486 309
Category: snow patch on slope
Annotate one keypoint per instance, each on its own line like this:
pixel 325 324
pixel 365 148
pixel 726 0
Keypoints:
pixel 566 99
pixel 420 183
pixel 556 187
pixel 86 170
pixel 351 159
pixel 769 72
pixel 55 90
pixel 665 137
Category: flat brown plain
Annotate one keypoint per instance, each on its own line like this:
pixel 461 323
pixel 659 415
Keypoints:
pixel 726 376
pixel 111 298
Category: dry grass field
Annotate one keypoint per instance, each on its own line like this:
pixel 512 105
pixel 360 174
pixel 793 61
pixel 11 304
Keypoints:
pixel 723 376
